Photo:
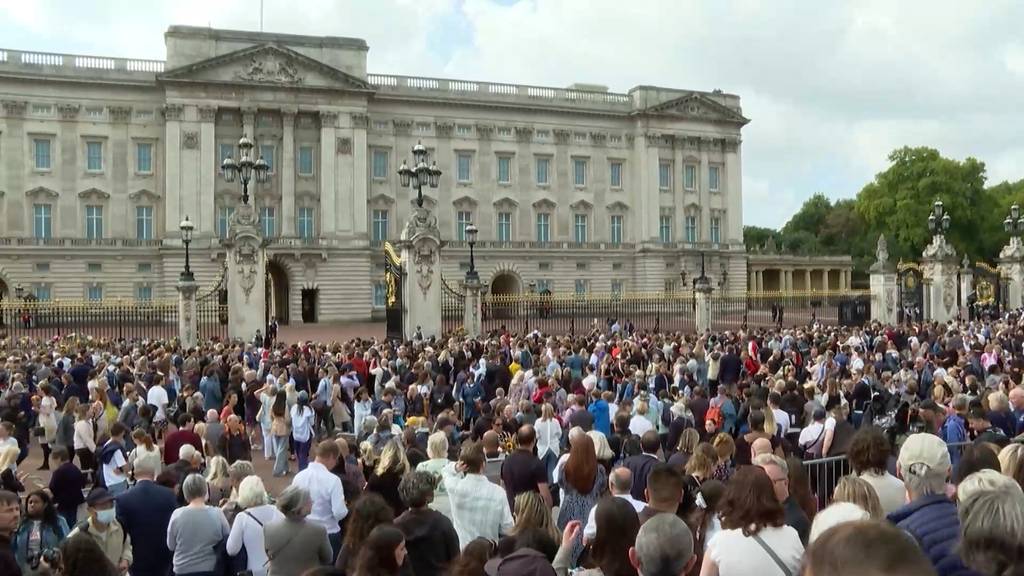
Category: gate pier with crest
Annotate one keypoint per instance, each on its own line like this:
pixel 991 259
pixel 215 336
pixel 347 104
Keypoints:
pixel 1011 260
pixel 246 278
pixel 884 285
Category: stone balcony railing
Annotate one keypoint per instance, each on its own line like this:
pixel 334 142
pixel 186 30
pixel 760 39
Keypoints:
pixel 51 64
pixel 81 242
pixel 133 69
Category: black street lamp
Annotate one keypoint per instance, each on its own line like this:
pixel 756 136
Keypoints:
pixel 19 291
pixel 702 282
pixel 1014 224
pixel 245 168
pixel 938 221
pixel 471 232
pixel 420 173
pixel 186 228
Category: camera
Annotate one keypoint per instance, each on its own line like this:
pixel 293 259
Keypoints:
pixel 49 555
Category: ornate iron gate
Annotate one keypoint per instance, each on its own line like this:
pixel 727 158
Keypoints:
pixel 212 310
pixel 453 308
pixel 910 281
pixel 986 300
pixel 393 294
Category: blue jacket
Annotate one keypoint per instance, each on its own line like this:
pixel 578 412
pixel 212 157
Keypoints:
pixel 144 513
pixel 599 409
pixel 50 538
pixel 954 431
pixel 933 522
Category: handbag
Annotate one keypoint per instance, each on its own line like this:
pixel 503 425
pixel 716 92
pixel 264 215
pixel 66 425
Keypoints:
pixel 239 563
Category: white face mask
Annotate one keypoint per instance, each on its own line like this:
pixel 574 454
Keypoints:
pixel 106 516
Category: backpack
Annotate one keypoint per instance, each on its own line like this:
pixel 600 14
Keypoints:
pixel 715 413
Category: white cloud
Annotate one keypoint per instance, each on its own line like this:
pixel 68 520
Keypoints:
pixel 831 87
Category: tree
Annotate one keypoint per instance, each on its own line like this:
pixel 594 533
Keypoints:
pixel 755 237
pixel 811 217
pixel 900 199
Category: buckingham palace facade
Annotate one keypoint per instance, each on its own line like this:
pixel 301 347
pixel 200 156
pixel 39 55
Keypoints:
pixel 572 189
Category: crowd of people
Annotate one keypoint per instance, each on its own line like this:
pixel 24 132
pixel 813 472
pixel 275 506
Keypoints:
pixel 615 453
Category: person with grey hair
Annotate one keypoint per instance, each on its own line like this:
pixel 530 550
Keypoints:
pixel 778 471
pixel 293 544
pixel 430 536
pixel 992 532
pixel 619 483
pixel 929 516
pixel 247 529
pixel 144 512
pixel 664 547
pixel 195 530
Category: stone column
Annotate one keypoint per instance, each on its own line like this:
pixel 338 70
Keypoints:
pixel 172 166
pixel 807 279
pixel 421 285
pixel 359 209
pixel 702 299
pixel 1011 267
pixel 206 215
pixel 188 323
pixel 966 286
pixel 940 267
pixel 328 195
pixel 704 217
pixel 246 281
pixel 286 172
pixel 824 279
pixel 884 290
pixel 751 283
pixel 471 319
pixel 760 280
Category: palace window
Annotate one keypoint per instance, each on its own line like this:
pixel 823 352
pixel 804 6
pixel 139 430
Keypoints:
pixel 504 226
pixel 665 228
pixel 306 160
pixel 268 221
pixel 579 227
pixel 380 226
pixel 144 158
pixel 94 222
pixel 380 293
pixel 464 164
pixel 716 229
pixel 504 169
pixel 543 227
pixel 615 174
pixel 144 222
pixel 306 227
pixel 143 293
pixel 543 167
pixel 713 176
pixel 224 214
pixel 41 149
pixel 42 221
pixel 267 152
pixel 462 219
pixel 42 292
pixel 94 156
pixel 579 172
pixel 581 287
pixel 691 228
pixel 690 177
pixel 665 175
pixel 380 164
pixel 616 229
pixel 94 292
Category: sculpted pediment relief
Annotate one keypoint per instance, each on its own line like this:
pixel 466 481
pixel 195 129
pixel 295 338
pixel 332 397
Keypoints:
pixel 618 206
pixel 581 206
pixel 696 106
pixel 380 199
pixel 42 192
pixel 94 193
pixel 506 202
pixel 267 64
pixel 143 194
pixel 544 204
pixel 464 201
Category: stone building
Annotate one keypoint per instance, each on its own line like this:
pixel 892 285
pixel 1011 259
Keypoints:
pixel 573 189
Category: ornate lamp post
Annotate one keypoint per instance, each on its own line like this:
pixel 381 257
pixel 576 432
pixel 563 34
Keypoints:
pixel 245 168
pixel 19 291
pixel 420 173
pixel 938 221
pixel 186 228
pixel 471 233
pixel 1014 225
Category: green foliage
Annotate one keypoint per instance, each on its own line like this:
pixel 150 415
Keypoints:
pixel 897 203
pixel 755 237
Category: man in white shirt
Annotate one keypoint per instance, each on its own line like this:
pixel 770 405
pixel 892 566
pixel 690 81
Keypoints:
pixel 157 396
pixel 781 416
pixel 619 483
pixel 112 458
pixel 812 438
pixel 325 491
pixel 479 508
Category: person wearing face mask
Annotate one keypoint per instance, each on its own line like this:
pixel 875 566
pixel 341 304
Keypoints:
pixel 103 527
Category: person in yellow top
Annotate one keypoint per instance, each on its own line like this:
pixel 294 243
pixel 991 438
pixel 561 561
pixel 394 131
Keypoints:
pixel 103 527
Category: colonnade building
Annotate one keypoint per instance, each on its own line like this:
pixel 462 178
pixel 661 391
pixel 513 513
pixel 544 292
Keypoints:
pixel 573 189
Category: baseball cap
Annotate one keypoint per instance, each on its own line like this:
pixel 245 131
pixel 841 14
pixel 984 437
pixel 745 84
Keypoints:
pixel 99 496
pixel 923 448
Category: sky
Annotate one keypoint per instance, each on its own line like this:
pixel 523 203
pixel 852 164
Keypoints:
pixel 831 87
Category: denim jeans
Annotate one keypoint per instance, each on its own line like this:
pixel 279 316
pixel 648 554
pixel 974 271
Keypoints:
pixel 280 455
pixel 549 460
pixel 302 453
pixel 268 443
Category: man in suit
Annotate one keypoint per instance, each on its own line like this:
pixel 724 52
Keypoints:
pixel 144 513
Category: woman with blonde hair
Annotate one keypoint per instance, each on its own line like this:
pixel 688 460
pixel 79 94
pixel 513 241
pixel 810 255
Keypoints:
pixel 532 513
pixel 387 475
pixel 437 452
pixel 858 491
pixel 725 448
pixel 688 442
pixel 145 451
pixel 549 436
pixel 218 479
pixel 1011 461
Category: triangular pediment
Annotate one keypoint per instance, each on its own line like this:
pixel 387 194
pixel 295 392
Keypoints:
pixel 94 193
pixel 467 201
pixel 618 206
pixel 42 192
pixel 381 199
pixel 581 206
pixel 143 195
pixel 544 204
pixel 506 202
pixel 696 106
pixel 267 65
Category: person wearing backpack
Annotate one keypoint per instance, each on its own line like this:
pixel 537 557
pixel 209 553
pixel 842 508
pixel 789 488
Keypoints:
pixel 113 462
